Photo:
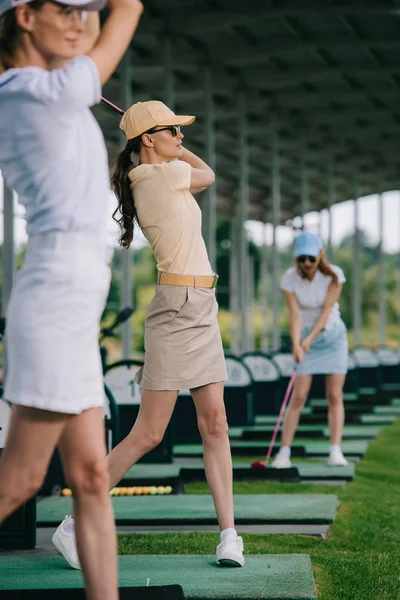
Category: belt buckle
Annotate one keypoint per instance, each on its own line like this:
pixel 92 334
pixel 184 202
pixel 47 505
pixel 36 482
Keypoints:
pixel 215 282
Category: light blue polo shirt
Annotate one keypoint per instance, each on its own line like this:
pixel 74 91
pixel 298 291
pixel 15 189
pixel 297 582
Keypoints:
pixel 52 150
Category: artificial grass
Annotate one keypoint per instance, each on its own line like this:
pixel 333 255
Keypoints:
pixel 264 578
pixel 199 509
pixel 359 559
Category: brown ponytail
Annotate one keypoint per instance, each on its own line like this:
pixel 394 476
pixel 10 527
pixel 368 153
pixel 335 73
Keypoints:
pixel 122 188
pixel 10 36
pixel 325 268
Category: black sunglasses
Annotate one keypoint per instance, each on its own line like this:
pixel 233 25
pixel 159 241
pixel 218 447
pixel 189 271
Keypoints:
pixel 302 259
pixel 174 129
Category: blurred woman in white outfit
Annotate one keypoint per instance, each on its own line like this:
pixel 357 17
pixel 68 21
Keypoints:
pixel 52 153
pixel 312 290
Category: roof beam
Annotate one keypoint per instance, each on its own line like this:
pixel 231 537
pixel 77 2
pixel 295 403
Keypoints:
pixel 243 54
pixel 197 21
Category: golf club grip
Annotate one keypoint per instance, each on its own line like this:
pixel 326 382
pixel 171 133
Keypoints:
pixel 122 316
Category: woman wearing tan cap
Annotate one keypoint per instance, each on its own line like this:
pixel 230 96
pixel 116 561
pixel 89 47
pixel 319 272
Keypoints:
pixel 182 338
pixel 52 153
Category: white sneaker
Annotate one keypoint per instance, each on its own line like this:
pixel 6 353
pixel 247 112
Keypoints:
pixel 281 462
pixel 336 459
pixel 230 552
pixel 65 545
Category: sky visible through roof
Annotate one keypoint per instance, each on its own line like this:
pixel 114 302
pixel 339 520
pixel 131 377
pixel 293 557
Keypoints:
pixel 343 223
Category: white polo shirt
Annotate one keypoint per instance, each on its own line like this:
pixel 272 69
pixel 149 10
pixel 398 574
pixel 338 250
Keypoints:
pixel 52 151
pixel 311 295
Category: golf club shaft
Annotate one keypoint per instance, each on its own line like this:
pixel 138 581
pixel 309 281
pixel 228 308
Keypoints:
pixel 282 412
pixel 113 106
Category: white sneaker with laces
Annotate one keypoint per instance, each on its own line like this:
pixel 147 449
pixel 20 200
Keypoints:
pixel 230 552
pixel 281 462
pixel 336 459
pixel 65 545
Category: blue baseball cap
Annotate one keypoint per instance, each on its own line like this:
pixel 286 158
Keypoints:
pixel 307 244
pixel 94 5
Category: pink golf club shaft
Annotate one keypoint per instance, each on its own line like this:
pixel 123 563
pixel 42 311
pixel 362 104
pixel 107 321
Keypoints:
pixel 113 106
pixel 282 412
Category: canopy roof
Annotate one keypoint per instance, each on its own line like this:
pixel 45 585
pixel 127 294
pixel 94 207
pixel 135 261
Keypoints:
pixel 325 74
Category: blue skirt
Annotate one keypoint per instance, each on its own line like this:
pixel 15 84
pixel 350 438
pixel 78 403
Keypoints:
pixel 329 353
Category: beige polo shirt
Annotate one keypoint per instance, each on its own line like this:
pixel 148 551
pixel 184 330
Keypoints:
pixel 170 217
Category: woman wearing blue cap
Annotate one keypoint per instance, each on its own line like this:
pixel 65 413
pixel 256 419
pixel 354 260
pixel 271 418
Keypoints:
pixel 312 290
pixel 52 153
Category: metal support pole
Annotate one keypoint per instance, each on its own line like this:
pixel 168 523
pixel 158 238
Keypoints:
pixel 357 301
pixel 127 282
pixel 276 217
pixel 8 247
pixel 382 275
pixel 398 267
pixel 264 294
pixel 169 73
pixel 243 216
pixel 319 223
pixel 234 286
pixel 304 184
pixel 331 202
pixel 250 302
pixel 211 159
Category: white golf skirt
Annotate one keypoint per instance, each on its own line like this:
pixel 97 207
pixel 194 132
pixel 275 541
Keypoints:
pixel 53 358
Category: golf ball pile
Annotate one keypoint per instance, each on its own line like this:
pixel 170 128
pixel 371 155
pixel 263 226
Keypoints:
pixel 133 491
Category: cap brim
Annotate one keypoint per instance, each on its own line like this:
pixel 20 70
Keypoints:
pixel 178 120
pixel 95 5
pixel 306 252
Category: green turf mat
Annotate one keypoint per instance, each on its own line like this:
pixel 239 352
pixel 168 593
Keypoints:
pixel 306 470
pixel 367 391
pixel 154 471
pixel 377 419
pixel 391 387
pixel 196 509
pixel 349 432
pixel 313 471
pixel 269 577
pixel 324 402
pixel 324 471
pixel 268 419
pixel 352 448
pixel 390 411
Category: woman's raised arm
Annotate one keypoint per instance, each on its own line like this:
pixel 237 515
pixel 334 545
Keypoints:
pixel 115 36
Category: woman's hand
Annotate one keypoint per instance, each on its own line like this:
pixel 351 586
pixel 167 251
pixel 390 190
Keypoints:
pixel 298 354
pixel 306 343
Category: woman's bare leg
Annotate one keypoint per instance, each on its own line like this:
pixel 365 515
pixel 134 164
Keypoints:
pixel 83 453
pixel 32 437
pixel 213 426
pixel 155 413
pixel 299 397
pixel 334 392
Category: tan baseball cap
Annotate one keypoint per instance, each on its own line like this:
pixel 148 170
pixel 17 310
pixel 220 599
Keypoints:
pixel 143 116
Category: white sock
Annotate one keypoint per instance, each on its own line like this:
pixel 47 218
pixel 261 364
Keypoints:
pixel 69 526
pixel 228 533
pixel 335 448
pixel 285 451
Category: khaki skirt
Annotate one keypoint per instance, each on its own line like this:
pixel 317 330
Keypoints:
pixel 183 346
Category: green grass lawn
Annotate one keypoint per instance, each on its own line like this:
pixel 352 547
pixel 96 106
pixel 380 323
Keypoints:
pixel 359 560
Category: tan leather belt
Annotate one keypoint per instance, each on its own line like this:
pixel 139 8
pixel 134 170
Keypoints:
pixel 196 281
